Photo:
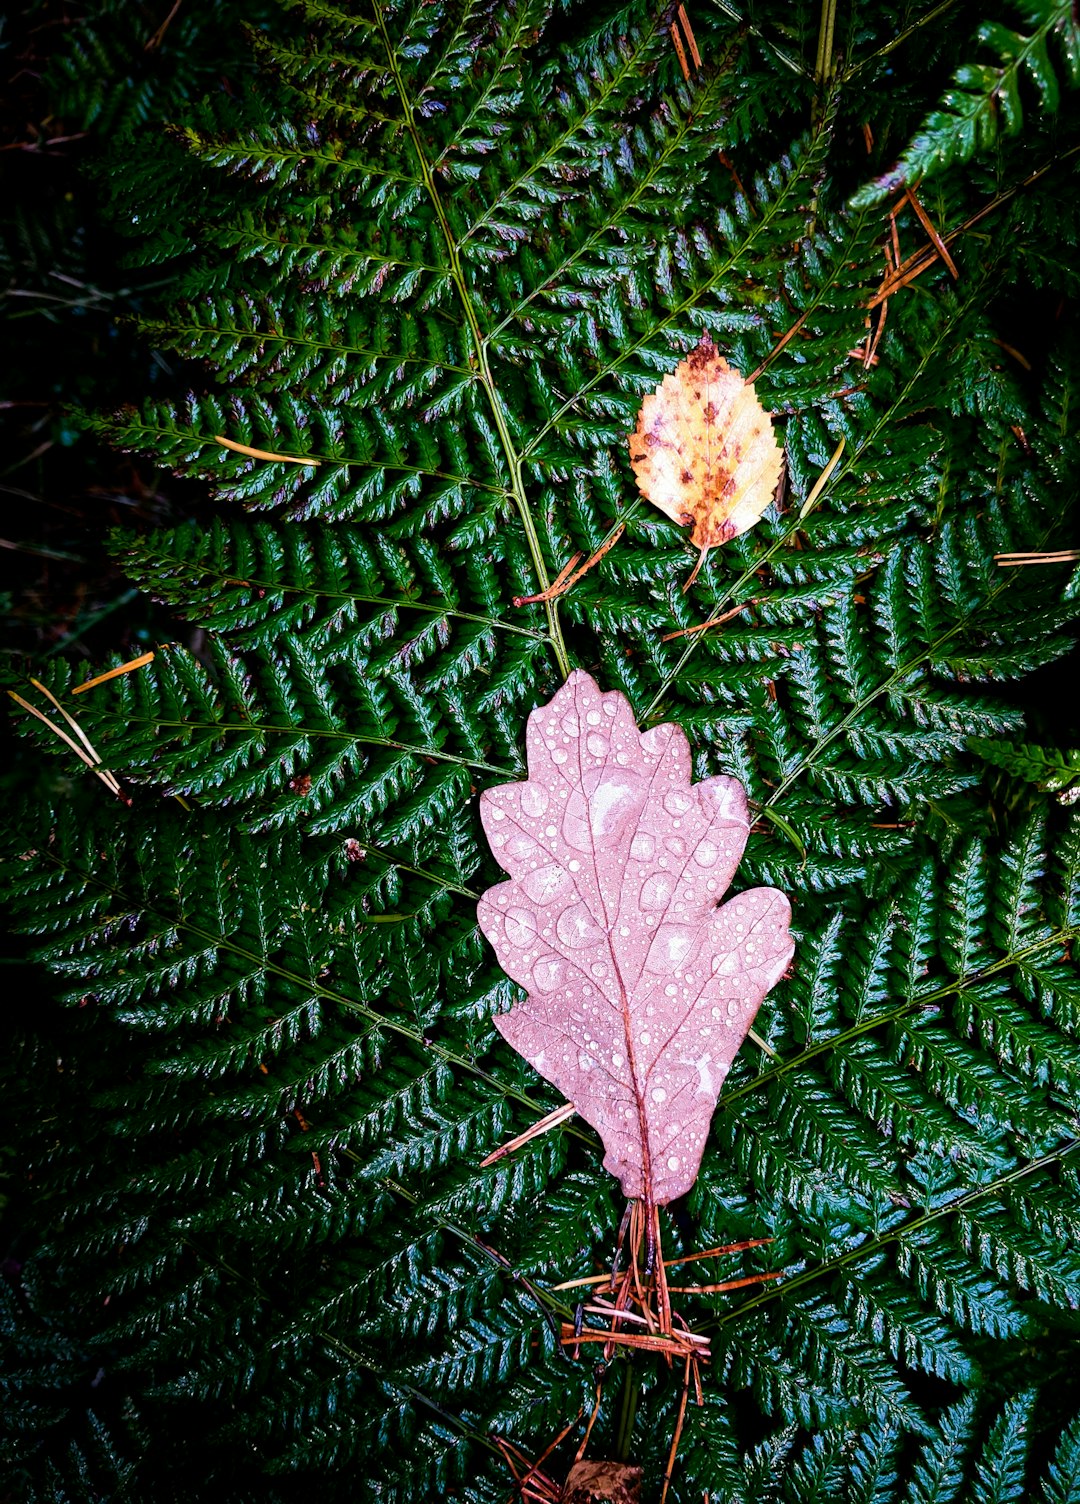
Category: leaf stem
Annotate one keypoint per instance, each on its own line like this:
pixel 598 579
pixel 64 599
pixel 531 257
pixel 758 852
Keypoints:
pixel 432 877
pixel 895 681
pixel 823 65
pixel 895 1234
pixel 329 733
pixel 547 1301
pixel 788 59
pixel 352 1356
pixel 314 988
pixel 846 468
pixel 1058 939
pixel 197 572
pixel 926 19
pixel 480 350
pixel 628 1403
pixel 773 210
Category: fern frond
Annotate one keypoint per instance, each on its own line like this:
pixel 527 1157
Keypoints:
pixel 431 273
pixel 986 98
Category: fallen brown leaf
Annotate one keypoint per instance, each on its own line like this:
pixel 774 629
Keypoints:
pixel 704 450
pixel 642 982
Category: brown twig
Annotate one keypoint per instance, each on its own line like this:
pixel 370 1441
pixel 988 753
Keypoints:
pixel 546 1453
pixel 696 569
pixel 713 1253
pixel 874 339
pixel 674 1345
pixel 629 1302
pixel 579 1454
pixel 620 1239
pixel 684 21
pixel 680 51
pixel 729 1284
pixel 43 145
pixel 635 1274
pixel 783 340
pixel 663 1298
pixel 530 1485
pixel 159 35
pixel 1017 355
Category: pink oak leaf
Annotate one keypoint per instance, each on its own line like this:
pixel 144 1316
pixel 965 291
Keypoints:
pixel 641 983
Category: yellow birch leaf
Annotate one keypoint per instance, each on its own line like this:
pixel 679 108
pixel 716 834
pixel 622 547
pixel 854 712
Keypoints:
pixel 704 450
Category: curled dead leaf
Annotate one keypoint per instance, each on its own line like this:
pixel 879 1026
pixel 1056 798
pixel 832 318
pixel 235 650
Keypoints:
pixel 641 982
pixel 704 450
pixel 602 1483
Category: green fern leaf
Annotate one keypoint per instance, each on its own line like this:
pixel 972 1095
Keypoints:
pixel 986 97
pixel 431 274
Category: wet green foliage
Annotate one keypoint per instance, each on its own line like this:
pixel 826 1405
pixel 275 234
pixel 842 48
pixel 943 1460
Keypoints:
pixel 437 258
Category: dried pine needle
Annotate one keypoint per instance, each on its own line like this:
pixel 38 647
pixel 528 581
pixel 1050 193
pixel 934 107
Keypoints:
pixel 761 1044
pixel 822 480
pixel 684 21
pixel 72 722
pixel 113 673
pixel 930 228
pixel 542 1125
pixel 263 454
pixel 680 51
pixel 106 777
pixel 1062 556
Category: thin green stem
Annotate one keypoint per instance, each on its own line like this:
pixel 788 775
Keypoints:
pixel 1058 939
pixel 219 328
pixel 545 1299
pixel 307 984
pixel 628 1403
pixel 261 234
pixel 430 877
pixel 512 41
pixel 895 680
pixel 387 602
pixel 630 59
pixel 927 19
pixel 354 1359
pixel 775 209
pixel 823 63
pixel 305 155
pixel 782 55
pixel 894 1235
pixel 674 143
pixel 325 733
pixel 750 575
pixel 167 435
pixel 480 349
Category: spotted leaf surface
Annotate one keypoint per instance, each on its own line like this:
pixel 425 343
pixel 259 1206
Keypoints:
pixel 704 450
pixel 641 982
